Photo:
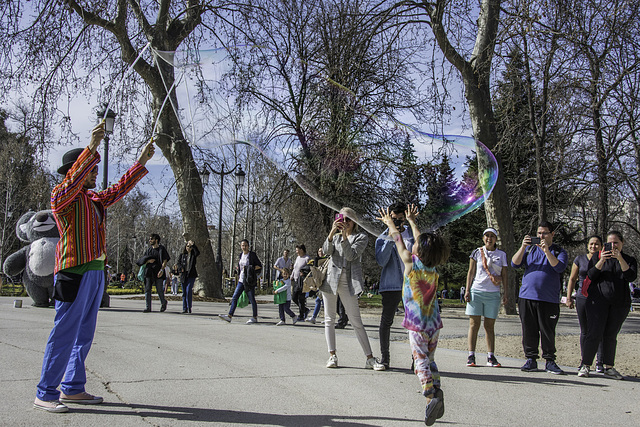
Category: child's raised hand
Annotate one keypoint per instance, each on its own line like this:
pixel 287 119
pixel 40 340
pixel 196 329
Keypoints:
pixel 385 216
pixel 411 213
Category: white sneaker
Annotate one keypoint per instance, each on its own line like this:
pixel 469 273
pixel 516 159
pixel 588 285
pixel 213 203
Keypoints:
pixel 312 320
pixel 332 362
pixel 294 320
pixel 252 320
pixel 370 363
pixel 225 317
pixel 280 323
pixel 379 366
pixel 584 371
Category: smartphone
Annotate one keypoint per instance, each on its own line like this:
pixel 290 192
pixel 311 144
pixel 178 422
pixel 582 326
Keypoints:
pixel 340 217
pixel 535 240
pixel 607 247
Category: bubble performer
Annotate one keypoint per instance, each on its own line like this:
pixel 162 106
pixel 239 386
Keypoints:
pixel 79 271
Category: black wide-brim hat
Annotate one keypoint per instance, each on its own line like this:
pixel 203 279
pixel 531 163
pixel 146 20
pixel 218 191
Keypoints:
pixel 68 159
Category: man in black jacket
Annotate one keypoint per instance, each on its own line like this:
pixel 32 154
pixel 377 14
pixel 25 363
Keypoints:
pixel 155 258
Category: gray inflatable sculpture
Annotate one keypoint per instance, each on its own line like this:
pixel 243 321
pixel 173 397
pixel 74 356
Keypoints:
pixel 35 261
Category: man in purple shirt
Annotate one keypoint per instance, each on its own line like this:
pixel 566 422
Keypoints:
pixel 539 298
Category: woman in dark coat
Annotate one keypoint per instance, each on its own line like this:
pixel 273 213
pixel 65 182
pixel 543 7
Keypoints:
pixel 187 266
pixel 608 302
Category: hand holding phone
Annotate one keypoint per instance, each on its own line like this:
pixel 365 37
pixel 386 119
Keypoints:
pixel 339 217
pixel 535 240
pixel 608 247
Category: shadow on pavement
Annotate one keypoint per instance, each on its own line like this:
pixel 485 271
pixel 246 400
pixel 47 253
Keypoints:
pixel 226 416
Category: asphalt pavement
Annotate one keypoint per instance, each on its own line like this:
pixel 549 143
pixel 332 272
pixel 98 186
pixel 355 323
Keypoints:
pixel 172 369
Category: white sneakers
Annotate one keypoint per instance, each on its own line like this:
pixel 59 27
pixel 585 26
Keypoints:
pixel 252 320
pixel 332 362
pixel 225 317
pixel 584 371
pixel 280 323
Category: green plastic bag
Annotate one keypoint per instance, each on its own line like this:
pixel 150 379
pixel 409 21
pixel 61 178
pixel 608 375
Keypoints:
pixel 280 297
pixel 243 301
pixel 142 272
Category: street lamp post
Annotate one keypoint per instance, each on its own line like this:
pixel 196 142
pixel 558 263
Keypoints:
pixel 239 178
pixel 109 117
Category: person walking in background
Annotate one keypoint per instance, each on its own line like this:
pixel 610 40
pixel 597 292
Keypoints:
pixel 187 263
pixel 578 274
pixel 155 258
pixel 345 244
pixel 539 298
pixel 249 267
pixel 300 271
pixel 317 262
pixel 391 278
pixel 283 262
pixel 487 272
pixel 285 307
pixel 422 315
pixel 79 278
pixel 608 303
pixel 175 279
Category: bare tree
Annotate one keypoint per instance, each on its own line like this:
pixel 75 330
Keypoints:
pixel 52 44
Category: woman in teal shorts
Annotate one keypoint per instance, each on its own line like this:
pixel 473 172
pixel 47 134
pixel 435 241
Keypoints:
pixel 487 272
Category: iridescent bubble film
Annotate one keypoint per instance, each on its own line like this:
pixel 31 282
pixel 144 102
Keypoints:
pixel 214 118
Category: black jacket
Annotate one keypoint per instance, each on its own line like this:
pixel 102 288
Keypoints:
pixel 187 265
pixel 160 255
pixel 250 273
pixel 611 283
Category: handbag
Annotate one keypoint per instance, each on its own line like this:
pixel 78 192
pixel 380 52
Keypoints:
pixel 280 297
pixel 317 276
pixel 141 272
pixel 243 300
pixel 66 286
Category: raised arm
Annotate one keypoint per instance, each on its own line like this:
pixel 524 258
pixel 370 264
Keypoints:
pixel 405 255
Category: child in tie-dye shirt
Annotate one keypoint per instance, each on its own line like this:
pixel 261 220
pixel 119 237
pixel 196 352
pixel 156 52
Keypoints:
pixel 421 312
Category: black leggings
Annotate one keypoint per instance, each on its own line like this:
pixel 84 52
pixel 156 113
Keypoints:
pixel 604 321
pixel 581 309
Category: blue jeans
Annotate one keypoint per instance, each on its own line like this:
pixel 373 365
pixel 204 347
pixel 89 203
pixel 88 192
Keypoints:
pixel 252 298
pixel 187 293
pixel 70 340
pixel 285 308
pixel 316 310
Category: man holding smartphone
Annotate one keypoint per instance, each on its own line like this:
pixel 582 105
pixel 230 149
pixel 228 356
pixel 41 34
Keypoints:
pixel 539 297
pixel 391 278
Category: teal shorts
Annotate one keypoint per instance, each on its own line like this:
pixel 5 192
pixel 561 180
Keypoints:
pixel 485 304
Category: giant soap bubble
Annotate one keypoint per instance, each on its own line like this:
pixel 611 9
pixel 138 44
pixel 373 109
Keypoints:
pixel 380 154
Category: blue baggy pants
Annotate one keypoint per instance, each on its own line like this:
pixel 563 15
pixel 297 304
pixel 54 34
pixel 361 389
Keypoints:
pixel 70 340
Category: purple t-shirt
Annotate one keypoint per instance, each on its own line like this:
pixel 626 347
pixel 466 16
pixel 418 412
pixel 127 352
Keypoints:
pixel 541 281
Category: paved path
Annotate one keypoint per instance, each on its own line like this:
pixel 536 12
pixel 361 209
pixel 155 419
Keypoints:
pixel 169 369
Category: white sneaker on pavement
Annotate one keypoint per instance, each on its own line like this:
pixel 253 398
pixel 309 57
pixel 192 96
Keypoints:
pixel 332 362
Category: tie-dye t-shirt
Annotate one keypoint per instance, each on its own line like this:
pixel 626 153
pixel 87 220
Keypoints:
pixel 421 312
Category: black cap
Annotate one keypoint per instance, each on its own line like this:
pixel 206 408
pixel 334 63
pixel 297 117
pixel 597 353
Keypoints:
pixel 68 159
